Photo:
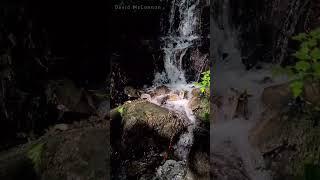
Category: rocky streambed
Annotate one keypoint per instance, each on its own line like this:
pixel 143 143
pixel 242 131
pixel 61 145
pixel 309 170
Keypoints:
pixel 159 135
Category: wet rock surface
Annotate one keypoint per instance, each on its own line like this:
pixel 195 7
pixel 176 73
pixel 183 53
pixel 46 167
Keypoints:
pixel 286 134
pixel 164 122
pixel 226 165
pixel 199 157
pixel 80 152
pixel 172 170
pixel 142 142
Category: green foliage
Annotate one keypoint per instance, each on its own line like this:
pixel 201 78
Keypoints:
pixel 35 153
pixel 206 111
pixel 204 84
pixel 120 110
pixel 307 67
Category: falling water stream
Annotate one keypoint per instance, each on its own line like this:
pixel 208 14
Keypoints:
pixel 179 37
pixel 231 73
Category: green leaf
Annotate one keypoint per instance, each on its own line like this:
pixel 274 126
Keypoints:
pixel 309 43
pixel 316 69
pixel 303 53
pixel 202 89
pixel 315 54
pixel 35 155
pixel 315 33
pixel 302 66
pixel 296 87
pixel 300 37
pixel 120 110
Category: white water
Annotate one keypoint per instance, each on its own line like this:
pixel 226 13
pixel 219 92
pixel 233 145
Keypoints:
pixel 180 106
pixel 231 73
pixel 181 35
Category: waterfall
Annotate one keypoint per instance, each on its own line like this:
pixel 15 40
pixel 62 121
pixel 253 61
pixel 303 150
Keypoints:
pixel 231 73
pixel 179 37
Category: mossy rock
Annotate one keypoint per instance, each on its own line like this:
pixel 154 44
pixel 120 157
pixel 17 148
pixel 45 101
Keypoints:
pixel 164 122
pixel 76 154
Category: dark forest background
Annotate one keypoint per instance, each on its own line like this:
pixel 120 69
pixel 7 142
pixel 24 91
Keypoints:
pixel 42 42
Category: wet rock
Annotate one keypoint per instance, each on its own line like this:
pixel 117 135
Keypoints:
pixel 69 98
pixel 200 107
pixel 145 134
pixel 311 92
pixel 81 154
pixel 146 97
pixel 194 103
pixel 225 165
pixel 74 154
pixel 277 97
pixel 173 97
pixel 161 90
pixel 283 134
pixel 164 122
pixel 172 170
pixel 131 92
pixel 196 92
pixel 61 127
pixel 199 157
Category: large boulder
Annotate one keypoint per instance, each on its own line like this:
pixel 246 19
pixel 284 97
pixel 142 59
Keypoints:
pixel 165 123
pixel 141 139
pixel 277 97
pixel 286 136
pixel 81 153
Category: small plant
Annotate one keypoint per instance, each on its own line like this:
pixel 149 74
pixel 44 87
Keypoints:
pixel 307 67
pixel 35 154
pixel 120 110
pixel 205 81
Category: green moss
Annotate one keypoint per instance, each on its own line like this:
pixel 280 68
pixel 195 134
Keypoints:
pixel 203 111
pixel 303 132
pixel 35 154
pixel 120 110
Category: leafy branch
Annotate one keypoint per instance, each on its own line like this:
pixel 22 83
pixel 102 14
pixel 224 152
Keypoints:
pixel 307 67
pixel 204 84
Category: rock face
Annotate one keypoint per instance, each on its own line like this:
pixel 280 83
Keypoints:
pixel 277 97
pixel 226 166
pixel 264 27
pixel 311 93
pixel 286 134
pixel 160 90
pixel 145 133
pixel 68 97
pixel 200 107
pixel 72 154
pixel 199 157
pixel 172 170
pixel 164 122
pixel 80 154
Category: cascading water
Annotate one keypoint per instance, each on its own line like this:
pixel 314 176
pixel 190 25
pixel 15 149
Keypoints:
pixel 231 73
pixel 180 36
